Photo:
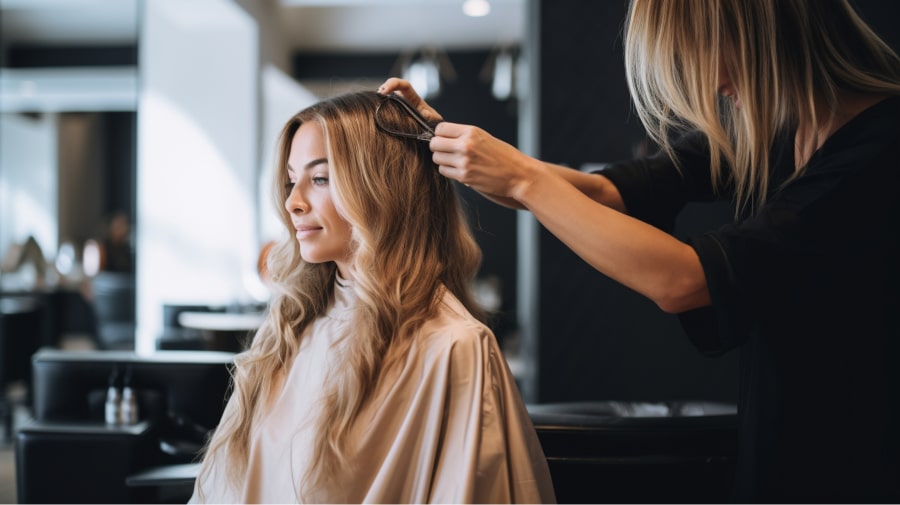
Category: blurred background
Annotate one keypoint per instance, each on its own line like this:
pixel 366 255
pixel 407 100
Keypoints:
pixel 137 139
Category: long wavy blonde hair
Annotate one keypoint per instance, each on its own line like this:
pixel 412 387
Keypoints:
pixel 410 240
pixel 782 56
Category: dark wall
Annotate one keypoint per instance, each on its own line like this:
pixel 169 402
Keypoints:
pixel 23 55
pixel 597 339
pixel 120 162
pixel 882 16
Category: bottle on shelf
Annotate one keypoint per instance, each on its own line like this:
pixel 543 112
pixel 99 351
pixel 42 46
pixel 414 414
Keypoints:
pixel 128 414
pixel 113 404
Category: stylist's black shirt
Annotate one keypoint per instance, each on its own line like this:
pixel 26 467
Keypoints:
pixel 808 288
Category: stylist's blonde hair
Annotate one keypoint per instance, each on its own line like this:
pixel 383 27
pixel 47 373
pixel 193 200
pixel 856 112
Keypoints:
pixel 780 55
pixel 410 241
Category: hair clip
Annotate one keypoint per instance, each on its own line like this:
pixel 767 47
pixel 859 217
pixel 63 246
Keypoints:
pixel 428 128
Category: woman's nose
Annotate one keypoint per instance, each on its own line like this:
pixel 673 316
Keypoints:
pixel 295 201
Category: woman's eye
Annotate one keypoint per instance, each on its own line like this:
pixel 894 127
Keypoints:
pixel 289 186
pixel 319 180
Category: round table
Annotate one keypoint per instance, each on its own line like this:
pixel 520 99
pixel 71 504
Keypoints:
pixel 224 331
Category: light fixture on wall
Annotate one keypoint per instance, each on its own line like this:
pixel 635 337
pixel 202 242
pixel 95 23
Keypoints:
pixel 424 76
pixel 501 71
pixel 476 8
pixel 425 70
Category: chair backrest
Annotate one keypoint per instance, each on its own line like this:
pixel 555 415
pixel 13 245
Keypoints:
pixel 191 385
pixel 113 296
pixel 20 336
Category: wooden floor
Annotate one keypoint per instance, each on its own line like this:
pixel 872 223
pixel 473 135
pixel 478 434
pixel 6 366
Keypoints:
pixel 7 462
pixel 7 475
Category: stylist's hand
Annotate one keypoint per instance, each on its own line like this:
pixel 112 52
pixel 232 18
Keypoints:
pixel 485 163
pixel 470 155
pixel 403 88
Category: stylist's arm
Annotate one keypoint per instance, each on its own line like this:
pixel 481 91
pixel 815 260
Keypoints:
pixel 585 211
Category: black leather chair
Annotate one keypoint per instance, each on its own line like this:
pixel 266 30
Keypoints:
pixel 175 336
pixel 638 452
pixel 67 454
pixel 114 305
pixel 20 336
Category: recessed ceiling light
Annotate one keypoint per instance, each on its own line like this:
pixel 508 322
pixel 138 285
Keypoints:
pixel 476 8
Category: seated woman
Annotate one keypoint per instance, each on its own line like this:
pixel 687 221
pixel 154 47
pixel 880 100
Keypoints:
pixel 373 378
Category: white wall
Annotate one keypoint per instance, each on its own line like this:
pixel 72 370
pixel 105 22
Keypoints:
pixel 273 47
pixel 198 155
pixel 28 181
pixel 282 98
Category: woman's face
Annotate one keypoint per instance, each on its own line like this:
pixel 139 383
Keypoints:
pixel 726 87
pixel 321 231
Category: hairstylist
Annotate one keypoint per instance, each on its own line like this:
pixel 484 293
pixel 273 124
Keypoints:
pixel 789 108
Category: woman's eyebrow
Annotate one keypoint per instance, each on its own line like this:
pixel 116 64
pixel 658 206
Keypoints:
pixel 308 165
pixel 317 161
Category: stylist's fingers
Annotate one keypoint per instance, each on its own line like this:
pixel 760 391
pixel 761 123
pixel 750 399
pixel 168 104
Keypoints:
pixel 465 154
pixel 400 86
pixel 403 88
pixel 450 150
pixel 467 140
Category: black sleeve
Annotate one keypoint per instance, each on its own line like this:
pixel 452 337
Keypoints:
pixel 655 189
pixel 727 323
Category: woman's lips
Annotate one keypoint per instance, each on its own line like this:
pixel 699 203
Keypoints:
pixel 306 231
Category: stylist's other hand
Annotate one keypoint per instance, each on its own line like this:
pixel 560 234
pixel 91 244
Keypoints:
pixel 486 164
pixel 403 88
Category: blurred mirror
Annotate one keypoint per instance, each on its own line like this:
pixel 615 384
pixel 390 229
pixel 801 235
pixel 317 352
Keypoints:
pixel 68 105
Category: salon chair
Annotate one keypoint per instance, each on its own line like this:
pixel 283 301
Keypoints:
pixel 66 453
pixel 20 334
pixel 114 306
pixel 174 335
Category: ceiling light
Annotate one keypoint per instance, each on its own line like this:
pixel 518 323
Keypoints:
pixel 476 8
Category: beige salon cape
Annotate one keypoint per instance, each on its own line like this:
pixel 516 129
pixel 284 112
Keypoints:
pixel 449 426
